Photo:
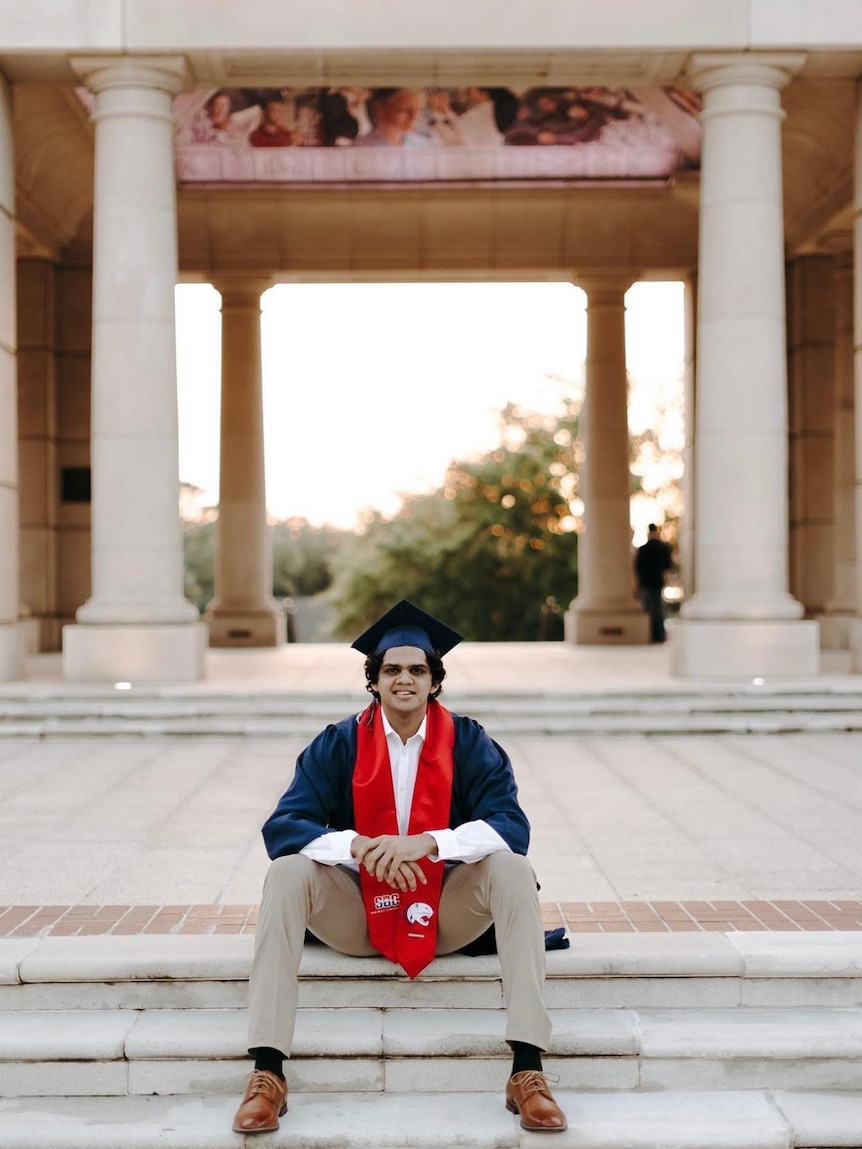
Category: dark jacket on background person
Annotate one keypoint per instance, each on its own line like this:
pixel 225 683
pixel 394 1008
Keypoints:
pixel 651 562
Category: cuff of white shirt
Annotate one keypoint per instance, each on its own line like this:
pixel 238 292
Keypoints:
pixel 332 849
pixel 447 844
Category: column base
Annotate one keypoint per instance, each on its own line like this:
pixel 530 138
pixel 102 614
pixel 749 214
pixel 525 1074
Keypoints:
pixel 29 630
pixel 606 628
pixel 134 653
pixel 247 628
pixel 835 631
pixel 735 649
pixel 856 645
pixel 11 653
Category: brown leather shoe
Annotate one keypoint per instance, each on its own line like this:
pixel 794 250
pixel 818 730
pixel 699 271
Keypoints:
pixel 264 1102
pixel 527 1094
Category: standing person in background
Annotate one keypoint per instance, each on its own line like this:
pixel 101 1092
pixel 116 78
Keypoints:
pixel 652 561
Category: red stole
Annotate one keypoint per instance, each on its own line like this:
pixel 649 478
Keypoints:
pixel 403 925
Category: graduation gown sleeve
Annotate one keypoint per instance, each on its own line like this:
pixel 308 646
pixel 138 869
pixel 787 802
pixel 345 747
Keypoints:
pixel 484 786
pixel 319 799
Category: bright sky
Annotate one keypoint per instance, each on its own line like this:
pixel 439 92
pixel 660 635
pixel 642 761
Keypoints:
pixel 371 389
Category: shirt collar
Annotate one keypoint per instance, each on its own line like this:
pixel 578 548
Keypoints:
pixel 387 728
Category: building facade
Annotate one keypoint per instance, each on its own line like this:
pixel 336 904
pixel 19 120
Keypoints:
pixel 142 142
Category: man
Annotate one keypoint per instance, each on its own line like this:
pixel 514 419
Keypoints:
pixel 652 561
pixel 275 130
pixel 218 123
pixel 400 834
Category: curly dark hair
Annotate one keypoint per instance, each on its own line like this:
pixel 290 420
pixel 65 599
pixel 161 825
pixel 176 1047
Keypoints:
pixel 374 662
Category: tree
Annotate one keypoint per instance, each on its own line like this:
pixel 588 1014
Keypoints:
pixel 199 574
pixel 656 454
pixel 198 521
pixel 488 549
pixel 303 557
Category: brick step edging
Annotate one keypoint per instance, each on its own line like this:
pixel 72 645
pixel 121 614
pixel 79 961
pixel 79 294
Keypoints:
pixel 577 917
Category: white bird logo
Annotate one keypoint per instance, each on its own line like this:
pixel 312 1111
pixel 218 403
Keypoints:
pixel 419 913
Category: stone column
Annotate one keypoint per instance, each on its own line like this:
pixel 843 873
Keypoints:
pixel 73 301
pixel 136 625
pixel 605 610
pixel 687 529
pixel 243 612
pixel 810 358
pixel 836 623
pixel 856 628
pixel 11 657
pixel 742 621
pixel 37 453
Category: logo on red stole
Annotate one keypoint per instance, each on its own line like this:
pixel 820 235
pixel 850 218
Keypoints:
pixel 419 914
pixel 387 902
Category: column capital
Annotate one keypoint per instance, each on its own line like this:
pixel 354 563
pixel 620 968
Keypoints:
pixel 605 288
pixel 241 290
pixel 775 70
pixel 99 73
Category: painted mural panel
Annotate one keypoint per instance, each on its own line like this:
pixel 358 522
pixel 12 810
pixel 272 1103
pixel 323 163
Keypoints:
pixel 413 135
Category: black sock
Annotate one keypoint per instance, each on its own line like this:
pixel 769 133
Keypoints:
pixel 525 1056
pixel 269 1060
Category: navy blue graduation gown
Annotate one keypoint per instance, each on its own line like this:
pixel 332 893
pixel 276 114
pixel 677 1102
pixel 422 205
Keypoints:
pixel 320 797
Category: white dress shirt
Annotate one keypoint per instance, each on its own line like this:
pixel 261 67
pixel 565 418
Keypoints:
pixel 469 842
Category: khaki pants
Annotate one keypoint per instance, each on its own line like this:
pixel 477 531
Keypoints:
pixel 299 892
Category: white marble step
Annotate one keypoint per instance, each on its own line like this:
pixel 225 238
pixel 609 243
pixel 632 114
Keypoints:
pixel 633 971
pixel 62 699
pixel 514 723
pixel 148 711
pixel 184 1051
pixel 668 1120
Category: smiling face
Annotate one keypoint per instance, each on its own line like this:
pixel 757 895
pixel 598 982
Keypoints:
pixel 404 684
pixel 220 110
pixel 397 114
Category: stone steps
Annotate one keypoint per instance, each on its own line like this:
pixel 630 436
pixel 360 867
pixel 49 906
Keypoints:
pixel 689 1040
pixel 117 1052
pixel 150 711
pixel 634 971
pixel 670 1120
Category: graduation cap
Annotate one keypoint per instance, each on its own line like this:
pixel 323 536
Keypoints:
pixel 407 625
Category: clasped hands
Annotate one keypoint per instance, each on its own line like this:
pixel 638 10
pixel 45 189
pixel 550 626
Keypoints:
pixel 394 858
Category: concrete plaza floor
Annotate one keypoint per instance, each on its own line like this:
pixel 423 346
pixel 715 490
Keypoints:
pixel 164 820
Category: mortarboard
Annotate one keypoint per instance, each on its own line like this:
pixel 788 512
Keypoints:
pixel 407 625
